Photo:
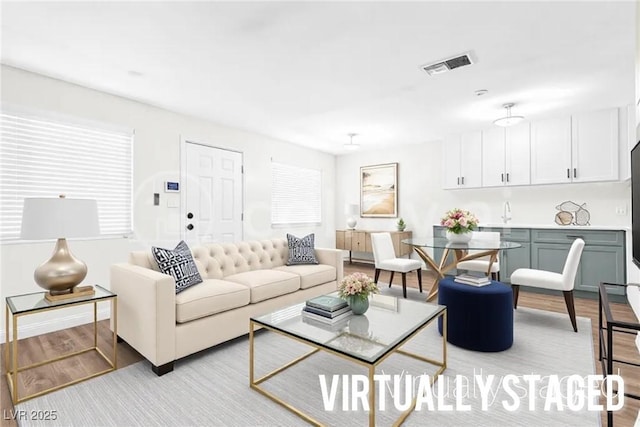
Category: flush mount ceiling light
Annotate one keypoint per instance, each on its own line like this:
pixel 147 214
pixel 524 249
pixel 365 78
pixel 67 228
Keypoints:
pixel 508 120
pixel 351 146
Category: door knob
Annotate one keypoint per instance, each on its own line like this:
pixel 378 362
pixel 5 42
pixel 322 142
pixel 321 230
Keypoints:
pixel 190 227
pixel 189 215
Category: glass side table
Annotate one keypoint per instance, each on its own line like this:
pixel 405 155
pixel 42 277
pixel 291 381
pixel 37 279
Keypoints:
pixel 22 305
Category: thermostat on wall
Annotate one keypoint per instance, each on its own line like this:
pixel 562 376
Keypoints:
pixel 171 187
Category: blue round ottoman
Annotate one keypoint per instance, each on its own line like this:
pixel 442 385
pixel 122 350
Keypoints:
pixel 478 318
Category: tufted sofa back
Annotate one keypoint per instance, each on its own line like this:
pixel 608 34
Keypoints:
pixel 218 260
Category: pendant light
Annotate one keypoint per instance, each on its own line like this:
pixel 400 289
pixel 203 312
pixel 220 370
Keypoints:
pixel 351 146
pixel 508 120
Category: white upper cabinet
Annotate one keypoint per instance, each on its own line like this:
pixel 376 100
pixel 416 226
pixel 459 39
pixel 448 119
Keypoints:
pixel 518 155
pixel 551 151
pixel 493 157
pixel 582 148
pixel 595 146
pixel 451 164
pixel 462 167
pixel 506 156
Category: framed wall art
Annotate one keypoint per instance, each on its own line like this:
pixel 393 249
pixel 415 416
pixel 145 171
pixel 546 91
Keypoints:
pixel 379 191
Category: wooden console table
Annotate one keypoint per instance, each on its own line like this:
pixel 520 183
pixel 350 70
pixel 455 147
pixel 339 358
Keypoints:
pixel 360 241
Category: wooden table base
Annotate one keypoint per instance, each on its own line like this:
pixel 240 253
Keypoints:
pixel 459 256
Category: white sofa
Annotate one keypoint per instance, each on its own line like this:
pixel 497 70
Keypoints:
pixel 240 280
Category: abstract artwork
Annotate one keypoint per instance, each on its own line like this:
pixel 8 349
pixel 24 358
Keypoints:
pixel 379 191
pixel 572 213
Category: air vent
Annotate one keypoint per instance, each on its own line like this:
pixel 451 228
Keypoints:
pixel 447 64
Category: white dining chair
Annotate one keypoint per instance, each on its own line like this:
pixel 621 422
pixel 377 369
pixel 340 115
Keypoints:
pixel 482 264
pixel 385 259
pixel 564 281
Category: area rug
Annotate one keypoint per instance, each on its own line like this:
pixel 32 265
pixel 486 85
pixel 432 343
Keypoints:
pixel 211 388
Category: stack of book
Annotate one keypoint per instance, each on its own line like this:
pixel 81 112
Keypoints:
pixel 326 309
pixel 476 279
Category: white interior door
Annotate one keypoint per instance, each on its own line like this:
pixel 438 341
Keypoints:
pixel 212 208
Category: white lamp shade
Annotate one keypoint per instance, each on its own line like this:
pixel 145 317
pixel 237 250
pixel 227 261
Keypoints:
pixel 352 209
pixel 56 218
pixel 508 121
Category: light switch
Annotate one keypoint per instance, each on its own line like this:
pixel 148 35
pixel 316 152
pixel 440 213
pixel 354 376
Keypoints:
pixel 173 202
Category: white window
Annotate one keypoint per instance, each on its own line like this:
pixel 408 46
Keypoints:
pixel 41 157
pixel 296 195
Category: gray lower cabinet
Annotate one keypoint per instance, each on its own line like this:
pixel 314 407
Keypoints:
pixel 603 258
pixel 513 259
pixel 602 264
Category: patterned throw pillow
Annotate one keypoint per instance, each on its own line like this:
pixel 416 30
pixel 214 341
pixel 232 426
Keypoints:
pixel 179 264
pixel 301 251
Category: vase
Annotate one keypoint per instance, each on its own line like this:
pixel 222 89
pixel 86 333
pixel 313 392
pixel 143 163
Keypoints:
pixel 359 326
pixel 459 238
pixel 358 304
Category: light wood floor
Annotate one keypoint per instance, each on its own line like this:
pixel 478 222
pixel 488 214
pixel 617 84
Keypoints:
pixel 68 340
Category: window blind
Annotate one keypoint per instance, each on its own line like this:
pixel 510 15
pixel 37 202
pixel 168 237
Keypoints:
pixel 296 195
pixel 40 157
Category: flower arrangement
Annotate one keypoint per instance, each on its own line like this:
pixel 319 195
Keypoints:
pixel 459 221
pixel 401 224
pixel 357 284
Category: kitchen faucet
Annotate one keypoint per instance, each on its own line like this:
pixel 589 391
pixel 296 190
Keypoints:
pixel 506 213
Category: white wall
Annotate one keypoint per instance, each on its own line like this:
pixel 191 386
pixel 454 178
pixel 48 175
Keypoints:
pixel 422 201
pixel 156 159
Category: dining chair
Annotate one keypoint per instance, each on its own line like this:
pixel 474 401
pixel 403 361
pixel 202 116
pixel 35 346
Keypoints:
pixel 385 259
pixel 564 281
pixel 482 264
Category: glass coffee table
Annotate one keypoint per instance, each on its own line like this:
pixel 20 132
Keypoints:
pixel 392 321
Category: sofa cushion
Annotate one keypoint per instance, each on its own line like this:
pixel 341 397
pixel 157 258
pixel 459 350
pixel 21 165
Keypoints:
pixel 179 264
pixel 219 260
pixel 143 259
pixel 311 275
pixel 210 297
pixel 265 284
pixel 301 250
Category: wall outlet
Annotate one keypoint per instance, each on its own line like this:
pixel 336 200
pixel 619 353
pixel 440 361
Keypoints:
pixel 621 210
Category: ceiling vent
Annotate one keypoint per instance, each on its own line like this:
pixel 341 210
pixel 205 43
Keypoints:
pixel 447 64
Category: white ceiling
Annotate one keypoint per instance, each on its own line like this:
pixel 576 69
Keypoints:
pixel 312 72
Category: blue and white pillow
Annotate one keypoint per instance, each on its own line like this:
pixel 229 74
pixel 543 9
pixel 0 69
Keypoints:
pixel 179 264
pixel 301 250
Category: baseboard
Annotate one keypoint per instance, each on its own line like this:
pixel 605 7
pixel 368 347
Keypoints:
pixel 51 325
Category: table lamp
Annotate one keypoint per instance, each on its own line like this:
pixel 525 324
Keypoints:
pixel 352 211
pixel 59 218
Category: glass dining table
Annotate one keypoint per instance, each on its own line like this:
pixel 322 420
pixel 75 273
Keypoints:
pixel 474 249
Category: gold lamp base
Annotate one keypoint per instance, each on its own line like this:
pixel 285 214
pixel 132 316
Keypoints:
pixel 62 272
pixel 77 292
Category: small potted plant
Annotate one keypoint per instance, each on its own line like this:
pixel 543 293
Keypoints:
pixel 355 288
pixel 401 225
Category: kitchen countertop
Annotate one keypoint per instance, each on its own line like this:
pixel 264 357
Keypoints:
pixel 556 226
pixel 559 227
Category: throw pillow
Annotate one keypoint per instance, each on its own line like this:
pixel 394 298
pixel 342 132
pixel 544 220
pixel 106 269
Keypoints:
pixel 301 251
pixel 179 264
